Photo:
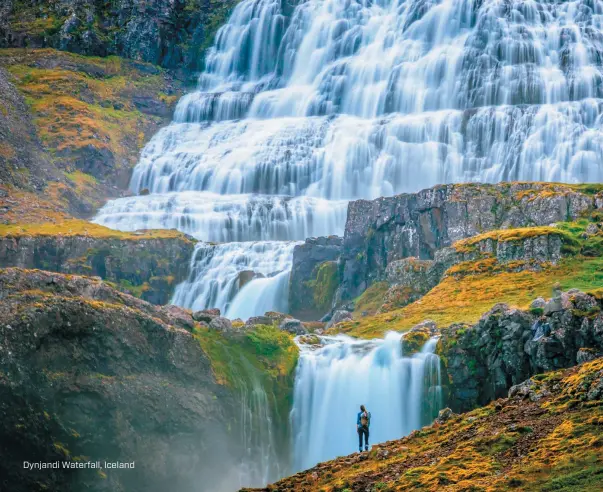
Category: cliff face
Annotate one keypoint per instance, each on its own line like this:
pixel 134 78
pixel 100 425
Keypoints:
pixel 417 225
pixel 508 345
pixel 88 373
pixel 146 267
pixel 314 276
pixel 169 33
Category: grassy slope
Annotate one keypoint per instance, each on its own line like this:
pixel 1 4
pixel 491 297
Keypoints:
pixel 471 288
pixel 553 444
pixel 85 116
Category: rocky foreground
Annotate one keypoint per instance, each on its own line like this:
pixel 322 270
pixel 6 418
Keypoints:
pixel 88 373
pixel 546 436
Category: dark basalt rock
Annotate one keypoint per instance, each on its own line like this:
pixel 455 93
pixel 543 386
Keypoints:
pixel 206 315
pixel 87 371
pixel 169 33
pixel 130 264
pixel 307 258
pixel 379 232
pixel 505 348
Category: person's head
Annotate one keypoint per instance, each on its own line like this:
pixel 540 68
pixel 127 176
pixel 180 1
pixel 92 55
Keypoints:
pixel 362 408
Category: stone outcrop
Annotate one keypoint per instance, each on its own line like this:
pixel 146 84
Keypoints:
pixel 314 276
pixel 149 268
pixel 507 346
pixel 89 373
pixel 537 245
pixel 170 33
pixel 410 279
pixel 381 231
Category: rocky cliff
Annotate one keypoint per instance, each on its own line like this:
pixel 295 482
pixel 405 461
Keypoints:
pixel 169 33
pixel 381 231
pixel 88 373
pixel 507 346
pixel 147 265
pixel 314 276
pixel 72 127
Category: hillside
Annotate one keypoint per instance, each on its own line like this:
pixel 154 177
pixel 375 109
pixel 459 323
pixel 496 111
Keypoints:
pixel 546 436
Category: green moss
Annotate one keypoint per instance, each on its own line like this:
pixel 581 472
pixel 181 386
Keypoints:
pixel 324 285
pixel 413 341
pixel 371 299
pixel 263 356
pixel 76 227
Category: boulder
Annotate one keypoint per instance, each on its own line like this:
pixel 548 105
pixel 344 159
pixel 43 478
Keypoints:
pixel 538 304
pixel 206 315
pixel 592 229
pixel 220 324
pixel 339 316
pixel 444 416
pixel 293 326
pixel 259 320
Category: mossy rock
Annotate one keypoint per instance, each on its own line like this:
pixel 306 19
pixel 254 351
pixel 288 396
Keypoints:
pixel 413 341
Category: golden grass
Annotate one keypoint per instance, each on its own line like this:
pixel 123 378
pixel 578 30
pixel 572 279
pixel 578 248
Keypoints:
pixel 76 227
pixel 464 298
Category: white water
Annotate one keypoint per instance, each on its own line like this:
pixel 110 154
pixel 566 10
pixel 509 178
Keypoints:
pixel 333 100
pixel 216 272
pixel 402 393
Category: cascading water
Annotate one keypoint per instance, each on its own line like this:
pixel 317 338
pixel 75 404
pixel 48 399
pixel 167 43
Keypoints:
pixel 242 279
pixel 401 392
pixel 299 107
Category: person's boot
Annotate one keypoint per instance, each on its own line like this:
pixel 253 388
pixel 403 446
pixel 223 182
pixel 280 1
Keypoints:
pixel 366 447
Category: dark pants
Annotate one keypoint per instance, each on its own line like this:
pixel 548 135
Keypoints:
pixel 362 430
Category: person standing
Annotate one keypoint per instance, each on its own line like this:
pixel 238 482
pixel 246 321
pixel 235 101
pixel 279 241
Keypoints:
pixel 363 423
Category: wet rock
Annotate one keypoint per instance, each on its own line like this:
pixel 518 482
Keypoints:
pixel 444 416
pixel 293 326
pixel 220 324
pixel 206 315
pixel 259 320
pixel 247 276
pixel 338 317
pixel 585 355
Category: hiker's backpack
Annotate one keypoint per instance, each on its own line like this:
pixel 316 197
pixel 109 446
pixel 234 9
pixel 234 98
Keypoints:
pixel 365 419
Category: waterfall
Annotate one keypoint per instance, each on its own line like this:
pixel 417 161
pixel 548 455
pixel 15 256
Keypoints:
pixel 242 279
pixel 302 108
pixel 401 392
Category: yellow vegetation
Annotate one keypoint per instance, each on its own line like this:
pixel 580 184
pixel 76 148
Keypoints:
pixel 464 298
pixel 505 235
pixel 76 227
